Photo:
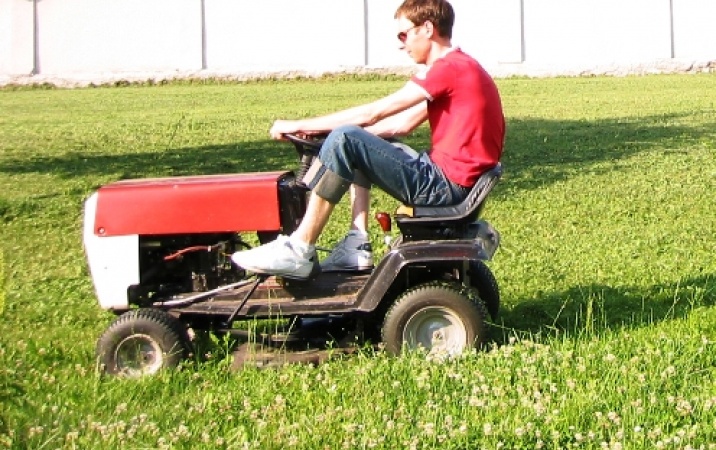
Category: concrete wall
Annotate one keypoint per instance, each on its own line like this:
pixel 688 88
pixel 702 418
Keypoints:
pixel 16 37
pixel 279 34
pixel 113 35
pixel 604 31
pixel 694 30
pixel 66 38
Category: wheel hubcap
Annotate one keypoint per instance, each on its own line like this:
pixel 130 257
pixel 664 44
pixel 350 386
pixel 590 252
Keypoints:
pixel 437 330
pixel 138 355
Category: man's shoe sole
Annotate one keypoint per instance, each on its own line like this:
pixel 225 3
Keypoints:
pixel 313 274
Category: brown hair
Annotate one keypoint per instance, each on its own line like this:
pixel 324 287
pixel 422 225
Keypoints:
pixel 438 12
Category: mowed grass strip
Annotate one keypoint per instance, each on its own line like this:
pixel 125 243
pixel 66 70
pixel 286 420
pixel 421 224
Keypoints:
pixel 606 335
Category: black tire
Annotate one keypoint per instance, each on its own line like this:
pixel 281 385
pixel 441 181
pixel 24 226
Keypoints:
pixel 142 342
pixel 436 317
pixel 484 282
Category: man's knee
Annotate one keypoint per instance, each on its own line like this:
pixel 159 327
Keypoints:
pixel 346 131
pixel 337 144
pixel 336 162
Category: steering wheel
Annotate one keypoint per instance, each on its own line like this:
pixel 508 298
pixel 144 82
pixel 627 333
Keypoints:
pixel 307 148
pixel 309 144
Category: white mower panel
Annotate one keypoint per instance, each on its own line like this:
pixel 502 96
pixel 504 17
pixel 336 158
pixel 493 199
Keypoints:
pixel 113 261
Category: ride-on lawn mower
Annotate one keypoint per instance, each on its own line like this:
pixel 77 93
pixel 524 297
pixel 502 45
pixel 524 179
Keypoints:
pixel 159 254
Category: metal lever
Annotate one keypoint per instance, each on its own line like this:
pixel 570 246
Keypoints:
pixel 259 279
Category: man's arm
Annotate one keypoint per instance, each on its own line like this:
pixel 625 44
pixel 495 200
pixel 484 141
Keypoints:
pixel 402 123
pixel 365 115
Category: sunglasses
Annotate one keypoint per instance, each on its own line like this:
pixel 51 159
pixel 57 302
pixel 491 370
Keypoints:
pixel 403 35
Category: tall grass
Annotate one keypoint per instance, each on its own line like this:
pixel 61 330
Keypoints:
pixel 607 333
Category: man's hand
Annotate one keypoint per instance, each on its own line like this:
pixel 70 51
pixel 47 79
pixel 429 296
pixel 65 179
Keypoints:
pixel 281 127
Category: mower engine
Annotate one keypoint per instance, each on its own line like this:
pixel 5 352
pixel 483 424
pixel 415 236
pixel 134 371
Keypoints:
pixel 173 265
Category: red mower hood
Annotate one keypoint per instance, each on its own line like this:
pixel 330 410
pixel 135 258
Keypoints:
pixel 194 204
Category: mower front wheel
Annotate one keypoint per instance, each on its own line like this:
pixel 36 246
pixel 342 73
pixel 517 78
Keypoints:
pixel 437 318
pixel 142 342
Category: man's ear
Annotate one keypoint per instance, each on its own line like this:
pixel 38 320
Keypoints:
pixel 430 28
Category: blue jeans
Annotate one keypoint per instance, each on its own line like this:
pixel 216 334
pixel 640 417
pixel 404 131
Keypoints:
pixel 352 155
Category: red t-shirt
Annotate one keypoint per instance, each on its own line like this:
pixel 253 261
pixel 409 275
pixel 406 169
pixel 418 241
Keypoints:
pixel 467 125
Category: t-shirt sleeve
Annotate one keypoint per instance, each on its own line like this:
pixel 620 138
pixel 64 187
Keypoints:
pixel 435 80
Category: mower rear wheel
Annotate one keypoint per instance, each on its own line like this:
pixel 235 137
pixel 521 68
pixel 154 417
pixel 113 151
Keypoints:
pixel 482 279
pixel 437 318
pixel 142 342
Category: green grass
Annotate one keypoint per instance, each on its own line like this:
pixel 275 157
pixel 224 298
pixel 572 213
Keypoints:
pixel 607 336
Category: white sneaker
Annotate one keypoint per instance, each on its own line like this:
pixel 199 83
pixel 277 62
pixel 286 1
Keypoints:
pixel 353 252
pixel 280 258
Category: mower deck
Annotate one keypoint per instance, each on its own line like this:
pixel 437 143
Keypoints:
pixel 248 355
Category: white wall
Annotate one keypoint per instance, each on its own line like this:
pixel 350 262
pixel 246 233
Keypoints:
pixel 117 35
pixel 16 37
pixel 490 30
pixel 65 38
pixel 382 44
pixel 598 32
pixel 279 34
pixel 695 29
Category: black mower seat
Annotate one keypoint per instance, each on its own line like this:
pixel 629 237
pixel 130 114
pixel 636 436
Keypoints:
pixel 466 211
